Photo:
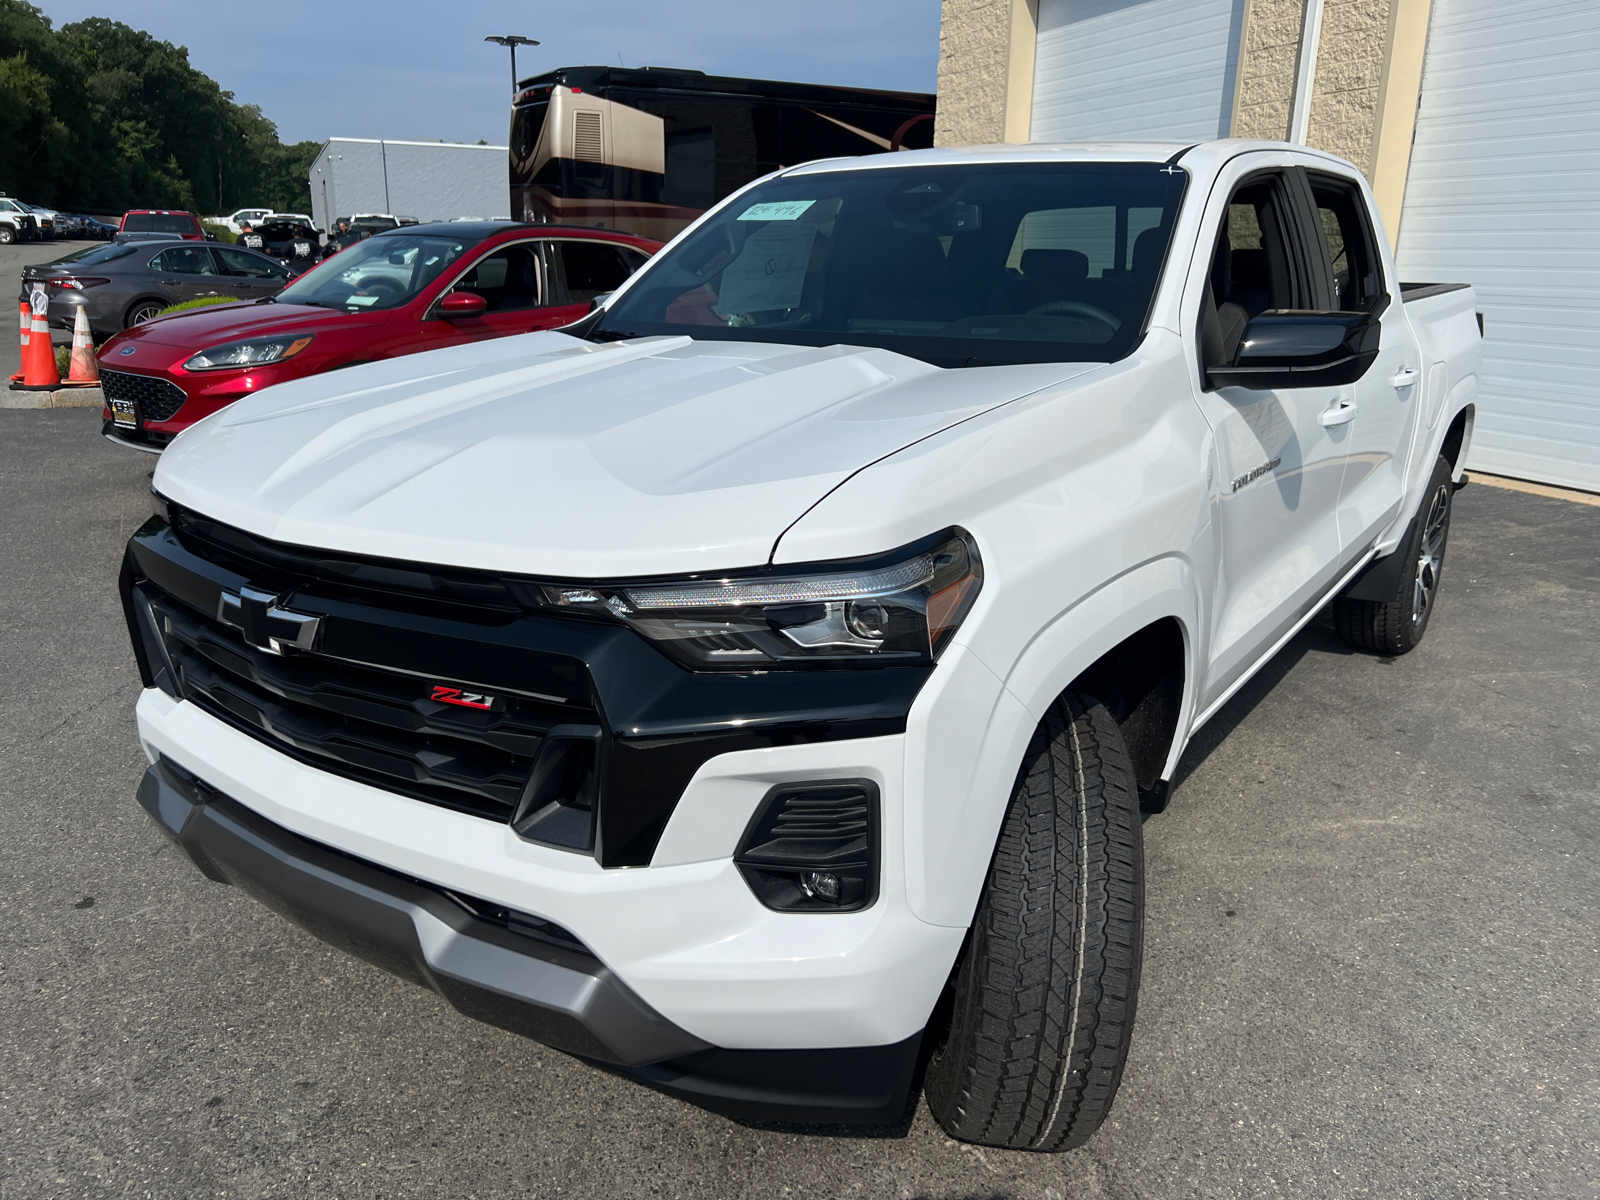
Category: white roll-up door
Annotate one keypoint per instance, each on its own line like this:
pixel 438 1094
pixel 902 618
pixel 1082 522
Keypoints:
pixel 1504 193
pixel 1135 70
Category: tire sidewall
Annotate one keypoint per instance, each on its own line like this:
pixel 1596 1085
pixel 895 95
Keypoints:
pixel 1439 480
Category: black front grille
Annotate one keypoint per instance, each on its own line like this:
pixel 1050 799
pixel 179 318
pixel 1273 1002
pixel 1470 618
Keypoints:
pixel 153 399
pixel 376 726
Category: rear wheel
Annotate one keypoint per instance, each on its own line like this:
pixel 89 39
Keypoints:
pixel 1044 996
pixel 1394 627
pixel 142 311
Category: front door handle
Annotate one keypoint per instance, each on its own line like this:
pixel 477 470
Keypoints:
pixel 1405 378
pixel 1340 412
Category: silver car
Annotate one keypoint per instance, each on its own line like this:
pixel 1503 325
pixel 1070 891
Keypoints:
pixel 126 283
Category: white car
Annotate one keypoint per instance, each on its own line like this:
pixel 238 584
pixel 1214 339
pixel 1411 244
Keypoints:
pixel 240 217
pixel 757 686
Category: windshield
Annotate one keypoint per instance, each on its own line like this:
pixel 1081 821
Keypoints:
pixel 92 255
pixel 157 223
pixel 381 272
pixel 1047 262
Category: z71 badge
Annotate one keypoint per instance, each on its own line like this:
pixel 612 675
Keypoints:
pixel 450 695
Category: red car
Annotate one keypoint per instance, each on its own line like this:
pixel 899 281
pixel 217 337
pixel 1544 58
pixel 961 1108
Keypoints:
pixel 419 287
pixel 170 221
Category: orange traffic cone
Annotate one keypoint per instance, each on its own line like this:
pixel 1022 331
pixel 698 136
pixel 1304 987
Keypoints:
pixel 27 319
pixel 84 370
pixel 39 372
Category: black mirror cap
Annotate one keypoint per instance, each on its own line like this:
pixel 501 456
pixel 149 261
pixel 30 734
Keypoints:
pixel 1302 349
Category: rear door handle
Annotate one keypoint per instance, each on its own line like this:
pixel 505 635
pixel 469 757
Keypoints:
pixel 1340 412
pixel 1405 378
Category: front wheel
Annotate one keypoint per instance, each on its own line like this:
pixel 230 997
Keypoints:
pixel 1394 626
pixel 1045 993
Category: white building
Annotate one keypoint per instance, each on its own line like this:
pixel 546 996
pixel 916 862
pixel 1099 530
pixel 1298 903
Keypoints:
pixel 432 181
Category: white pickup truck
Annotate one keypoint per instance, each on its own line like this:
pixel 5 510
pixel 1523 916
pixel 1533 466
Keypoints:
pixel 755 687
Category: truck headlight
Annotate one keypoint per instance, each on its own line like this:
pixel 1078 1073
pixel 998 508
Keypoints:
pixel 892 610
pixel 252 353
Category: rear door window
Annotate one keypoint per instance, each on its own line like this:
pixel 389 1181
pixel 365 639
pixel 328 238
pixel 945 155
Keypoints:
pixel 1352 252
pixel 590 269
pixel 242 262
pixel 185 260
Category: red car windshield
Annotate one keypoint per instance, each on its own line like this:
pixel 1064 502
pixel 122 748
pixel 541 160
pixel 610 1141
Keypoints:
pixel 381 272
pixel 158 223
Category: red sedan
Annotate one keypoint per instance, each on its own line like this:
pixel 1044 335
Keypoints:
pixel 419 287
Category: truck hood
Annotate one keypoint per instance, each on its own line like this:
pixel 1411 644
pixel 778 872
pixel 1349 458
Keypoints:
pixel 543 454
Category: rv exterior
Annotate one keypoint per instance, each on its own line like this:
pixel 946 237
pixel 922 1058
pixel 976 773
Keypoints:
pixel 647 151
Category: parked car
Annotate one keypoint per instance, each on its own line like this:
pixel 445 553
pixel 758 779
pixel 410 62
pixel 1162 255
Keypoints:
pixel 298 218
pixel 283 239
pixel 393 294
pixel 98 230
pixel 17 224
pixel 127 283
pixel 756 686
pixel 240 217
pixel 163 220
pixel 49 220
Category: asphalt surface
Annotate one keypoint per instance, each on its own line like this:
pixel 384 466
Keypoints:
pixel 1371 966
pixel 12 259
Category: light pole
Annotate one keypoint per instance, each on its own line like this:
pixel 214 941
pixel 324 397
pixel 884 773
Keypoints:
pixel 511 41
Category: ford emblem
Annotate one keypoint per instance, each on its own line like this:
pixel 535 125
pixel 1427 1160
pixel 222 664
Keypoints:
pixel 127 350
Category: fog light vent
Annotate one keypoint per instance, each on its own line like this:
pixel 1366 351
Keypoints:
pixel 813 846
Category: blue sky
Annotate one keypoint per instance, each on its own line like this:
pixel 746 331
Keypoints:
pixel 409 69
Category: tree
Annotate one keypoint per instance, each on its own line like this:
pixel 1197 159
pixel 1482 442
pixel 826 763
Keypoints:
pixel 101 116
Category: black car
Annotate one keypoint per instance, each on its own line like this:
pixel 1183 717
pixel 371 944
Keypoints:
pixel 283 240
pixel 129 281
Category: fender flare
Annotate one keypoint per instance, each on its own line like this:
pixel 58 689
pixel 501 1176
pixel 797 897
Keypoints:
pixel 963 754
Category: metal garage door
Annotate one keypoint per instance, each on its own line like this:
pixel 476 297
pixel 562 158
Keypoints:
pixel 1504 192
pixel 1135 69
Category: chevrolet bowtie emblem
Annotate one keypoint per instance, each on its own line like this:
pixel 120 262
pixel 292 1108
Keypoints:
pixel 265 624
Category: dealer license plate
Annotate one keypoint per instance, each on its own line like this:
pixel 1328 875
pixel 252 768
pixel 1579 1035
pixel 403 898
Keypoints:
pixel 123 413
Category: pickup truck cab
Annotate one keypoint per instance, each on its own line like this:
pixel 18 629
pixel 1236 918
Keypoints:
pixel 757 686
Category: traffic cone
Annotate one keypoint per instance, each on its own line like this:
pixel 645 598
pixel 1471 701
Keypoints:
pixel 39 372
pixel 27 319
pixel 84 370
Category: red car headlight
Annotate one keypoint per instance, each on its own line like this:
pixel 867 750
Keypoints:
pixel 253 353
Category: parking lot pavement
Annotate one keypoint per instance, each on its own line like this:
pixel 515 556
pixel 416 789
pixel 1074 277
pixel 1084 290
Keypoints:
pixel 1371 966
pixel 12 259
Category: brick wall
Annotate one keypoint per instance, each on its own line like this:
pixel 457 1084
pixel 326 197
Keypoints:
pixel 1267 62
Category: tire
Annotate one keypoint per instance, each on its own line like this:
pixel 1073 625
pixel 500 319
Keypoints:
pixel 142 311
pixel 1043 999
pixel 1394 627
pixel 6 236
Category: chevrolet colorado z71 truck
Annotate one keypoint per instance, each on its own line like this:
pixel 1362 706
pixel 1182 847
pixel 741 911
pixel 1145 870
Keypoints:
pixel 754 687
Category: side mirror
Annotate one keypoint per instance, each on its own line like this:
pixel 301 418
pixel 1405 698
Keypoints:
pixel 1301 349
pixel 462 304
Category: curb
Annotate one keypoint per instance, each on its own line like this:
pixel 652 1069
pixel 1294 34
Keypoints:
pixel 90 397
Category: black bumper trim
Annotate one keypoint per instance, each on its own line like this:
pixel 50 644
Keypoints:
pixel 563 998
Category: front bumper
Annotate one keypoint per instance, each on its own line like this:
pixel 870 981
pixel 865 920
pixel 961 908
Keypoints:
pixel 532 985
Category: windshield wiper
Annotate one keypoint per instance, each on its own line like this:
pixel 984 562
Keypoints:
pixel 609 335
pixel 267 300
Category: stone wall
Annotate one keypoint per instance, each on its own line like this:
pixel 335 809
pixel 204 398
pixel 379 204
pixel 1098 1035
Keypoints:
pixel 1345 99
pixel 1267 63
pixel 974 72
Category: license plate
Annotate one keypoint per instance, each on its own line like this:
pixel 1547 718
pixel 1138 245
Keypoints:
pixel 123 413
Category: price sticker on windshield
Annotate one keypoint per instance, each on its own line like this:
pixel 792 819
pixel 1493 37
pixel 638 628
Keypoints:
pixel 777 210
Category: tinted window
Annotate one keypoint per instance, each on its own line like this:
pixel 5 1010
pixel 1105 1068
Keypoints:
pixel 95 255
pixel 591 269
pixel 158 223
pixel 955 265
pixel 242 262
pixel 507 280
pixel 185 260
pixel 1253 268
pixel 1354 258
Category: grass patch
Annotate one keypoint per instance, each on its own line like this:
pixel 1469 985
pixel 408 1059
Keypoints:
pixel 198 302
pixel 224 234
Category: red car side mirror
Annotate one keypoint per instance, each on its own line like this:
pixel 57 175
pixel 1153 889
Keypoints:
pixel 462 304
